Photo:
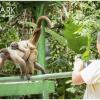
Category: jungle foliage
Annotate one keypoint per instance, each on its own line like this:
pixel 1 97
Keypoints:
pixel 75 25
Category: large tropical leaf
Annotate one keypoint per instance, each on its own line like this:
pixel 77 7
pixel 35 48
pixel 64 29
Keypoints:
pixel 56 36
pixel 75 40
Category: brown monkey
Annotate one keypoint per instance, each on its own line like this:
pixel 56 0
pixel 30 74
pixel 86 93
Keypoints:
pixel 5 55
pixel 15 45
pixel 33 54
pixel 17 58
pixel 27 48
pixel 17 55
pixel 34 39
pixel 23 46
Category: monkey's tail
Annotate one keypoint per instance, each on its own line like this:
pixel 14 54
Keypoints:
pixel 37 32
pixel 41 18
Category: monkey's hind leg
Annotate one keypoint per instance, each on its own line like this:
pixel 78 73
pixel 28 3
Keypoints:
pixel 30 67
pixel 39 67
pixel 21 72
pixel 30 61
pixel 22 64
pixel 28 75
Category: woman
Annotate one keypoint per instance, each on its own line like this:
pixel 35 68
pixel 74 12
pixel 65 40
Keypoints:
pixel 89 75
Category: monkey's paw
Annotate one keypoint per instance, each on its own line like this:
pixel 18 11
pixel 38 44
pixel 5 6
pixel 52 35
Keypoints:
pixel 28 77
pixel 22 77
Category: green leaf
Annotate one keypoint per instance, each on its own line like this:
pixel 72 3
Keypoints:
pixel 74 38
pixel 85 55
pixel 56 36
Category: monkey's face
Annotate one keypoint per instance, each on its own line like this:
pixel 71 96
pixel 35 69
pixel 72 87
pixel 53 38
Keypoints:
pixel 4 54
pixel 14 45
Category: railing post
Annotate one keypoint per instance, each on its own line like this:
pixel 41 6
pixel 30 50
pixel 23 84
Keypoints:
pixel 45 94
pixel 41 52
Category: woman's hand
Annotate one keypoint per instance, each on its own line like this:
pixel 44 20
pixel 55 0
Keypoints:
pixel 78 64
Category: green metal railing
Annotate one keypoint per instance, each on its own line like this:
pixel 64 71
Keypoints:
pixel 36 77
pixel 39 84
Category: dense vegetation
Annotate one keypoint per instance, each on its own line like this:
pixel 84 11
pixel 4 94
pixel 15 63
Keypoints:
pixel 75 25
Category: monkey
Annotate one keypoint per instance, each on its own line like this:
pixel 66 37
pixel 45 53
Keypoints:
pixel 17 58
pixel 33 40
pixel 17 55
pixel 27 49
pixel 34 59
pixel 15 45
pixel 5 55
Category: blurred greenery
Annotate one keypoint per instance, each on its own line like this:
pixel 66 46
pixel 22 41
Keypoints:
pixel 75 26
